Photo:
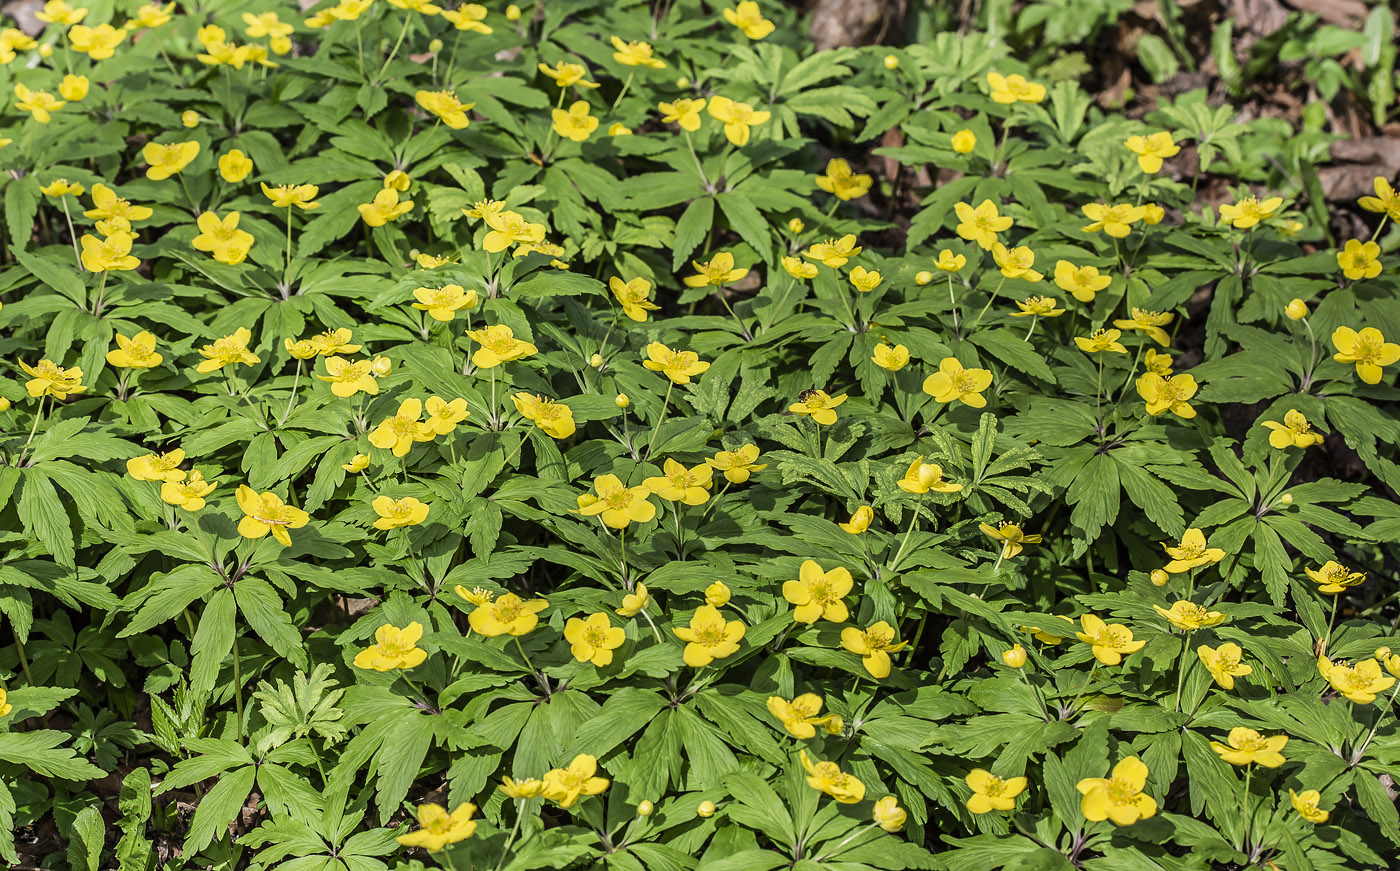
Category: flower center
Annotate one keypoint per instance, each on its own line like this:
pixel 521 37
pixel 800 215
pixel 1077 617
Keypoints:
pixel 877 640
pixel 595 636
pixel 1121 792
pixel 995 786
pixel 964 382
pixel 1250 743
pixel 710 634
pixel 272 516
pixel 506 611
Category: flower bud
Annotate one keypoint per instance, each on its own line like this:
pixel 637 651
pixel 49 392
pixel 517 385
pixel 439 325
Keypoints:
pixel 435 46
pixel 399 181
pixel 645 807
pixel 1015 657
pixel 358 463
pixel 964 141
pixel 1286 498
pixel 190 118
pixel 705 809
pixel 381 367
pixel 4 404
pixel 891 62
pixel 1296 310
pixel 1160 577
pixel 717 595
pixel 835 725
pixel 596 361
pixel 1392 664
pixel 923 278
pixel 682 82
pixel 622 401
pixel 888 815
pixel 46 51
pixel 796 226
pixel 512 12
pixel 1382 653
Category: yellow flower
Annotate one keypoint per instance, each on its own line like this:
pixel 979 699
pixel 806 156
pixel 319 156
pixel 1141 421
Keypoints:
pixel 1188 616
pixel 111 253
pixel 1116 220
pixel 287 195
pixel 633 296
pixel 443 303
pixel 1153 214
pixel 348 378
pixel 635 54
pixel 634 602
pixel 266 512
pixel 228 350
pixel 1386 200
pixel 1334 577
pixel 1168 394
pixel 1368 349
pixel 565 74
pixel 1014 88
pixel 860 520
pixel 358 463
pixel 1011 537
pixel 337 342
pixel 438 828
pixel 485 209
pixel 443 416
pixel 992 793
pixel 864 281
pixel 188 494
pixel 1081 281
pixel 74 88
pixel 106 204
pixel 842 183
pixel 1038 306
pixel 737 118
pixel 1247 746
pixel 953 382
pixel 384 208
pixel 395 513
pixel 873 645
pixel 717 595
pixel 738 464
pixel 709 637
pixel 137 352
pixel 222 238
pixel 40 104
pixel 818 594
pixel 61 187
pixel 157 467
pixel 565 785
pixel 749 19
pixel 423 7
pixel 50 379
pixel 1119 797
pixel 891 358
pixel 1015 657
pixel 1225 663
pixel 1100 341
pixel 716 272
pixel 684 111
pixel 1249 211
pixel 617 128
pixel 1158 361
pixel 166 160
pixel 594 639
pixel 1360 683
pixel 498 345
pixel 817 404
pixel 476 595
pixel 947 261
pixel 555 418
pixel 1305 803
pixel 923 477
pixel 1046 637
pixel 617 504
pixel 888 815
pixel 399 432
pixel 799 717
pixel 574 123
pixel 964 141
pixel 679 366
pixel 1109 641
pixel 1149 322
pixel 1016 262
pixel 5 706
pixel 59 12
pixel 468 16
pixel 509 228
pixel 828 778
pixel 980 225
pixel 1151 149
pixel 98 43
pixel 508 615
pixel 1359 260
pixel 1294 432
pixel 431 261
pixel 235 166
pixel 265 24
pixel 834 252
pixel 1191 553
pixel 522 789
pixel 679 484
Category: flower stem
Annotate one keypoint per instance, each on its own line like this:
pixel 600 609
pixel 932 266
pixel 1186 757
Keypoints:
pixel 913 521
pixel 665 403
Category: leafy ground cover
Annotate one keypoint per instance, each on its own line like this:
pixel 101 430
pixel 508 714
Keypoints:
pixel 624 435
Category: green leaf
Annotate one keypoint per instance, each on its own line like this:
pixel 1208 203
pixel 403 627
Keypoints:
pixel 219 807
pixel 262 608
pixel 42 513
pixel 1014 351
pixel 88 834
pixel 691 229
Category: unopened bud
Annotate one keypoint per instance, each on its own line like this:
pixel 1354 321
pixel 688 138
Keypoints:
pixel 382 367
pixel 1015 657
pixel 1160 577
pixel 1286 498
pixel 796 225
pixel 622 401
pixel 512 12
pixel 891 62
pixel 596 361
pixel 923 278
pixel 435 46
pixel 682 82
pixel 645 807
pixel 1296 310
pixel 706 809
